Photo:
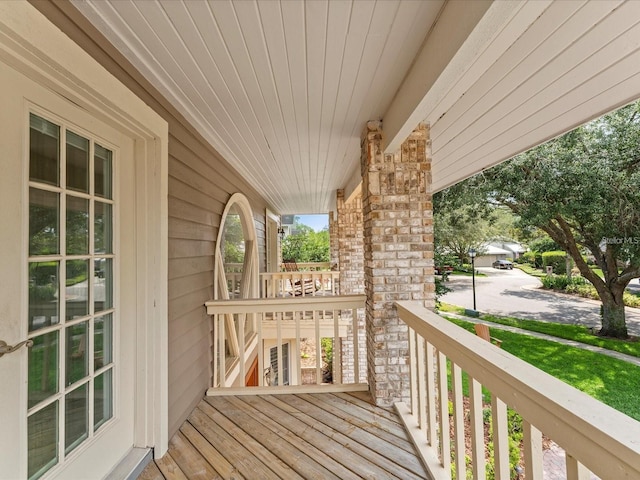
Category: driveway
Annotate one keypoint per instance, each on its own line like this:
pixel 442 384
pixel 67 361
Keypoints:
pixel 516 294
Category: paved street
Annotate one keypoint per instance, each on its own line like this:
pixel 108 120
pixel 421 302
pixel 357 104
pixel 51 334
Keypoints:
pixel 514 293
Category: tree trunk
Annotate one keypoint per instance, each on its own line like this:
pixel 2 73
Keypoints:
pixel 613 318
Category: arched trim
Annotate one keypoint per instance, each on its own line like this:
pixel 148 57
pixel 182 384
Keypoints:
pixel 250 271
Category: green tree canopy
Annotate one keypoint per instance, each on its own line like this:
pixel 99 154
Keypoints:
pixel 582 190
pixel 305 244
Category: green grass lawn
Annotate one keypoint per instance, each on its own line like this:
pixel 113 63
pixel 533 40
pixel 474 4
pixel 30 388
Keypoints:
pixel 529 270
pixel 609 380
pixel 570 332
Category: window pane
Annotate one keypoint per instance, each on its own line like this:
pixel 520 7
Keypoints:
pixel 43 368
pixel 77 226
pixel 44 151
pixel 77 289
pixel 103 228
pixel 76 417
pixel 43 295
pixel 77 163
pixel 43 440
pixel 76 355
pixel 102 172
pixel 44 221
pixel 103 338
pixel 103 284
pixel 103 399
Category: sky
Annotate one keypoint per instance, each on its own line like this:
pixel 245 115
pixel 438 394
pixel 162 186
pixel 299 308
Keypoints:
pixel 317 222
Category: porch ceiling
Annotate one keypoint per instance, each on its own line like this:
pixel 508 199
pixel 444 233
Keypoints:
pixel 283 89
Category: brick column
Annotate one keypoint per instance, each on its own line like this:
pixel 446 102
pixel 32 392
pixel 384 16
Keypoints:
pixel 333 242
pixel 398 244
pixel 350 244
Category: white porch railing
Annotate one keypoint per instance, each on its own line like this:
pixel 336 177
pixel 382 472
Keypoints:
pixel 306 283
pixel 279 320
pixel 314 266
pixel 596 438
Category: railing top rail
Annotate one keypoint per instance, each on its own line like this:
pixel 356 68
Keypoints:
pixel 284 304
pixel 601 437
pixel 302 273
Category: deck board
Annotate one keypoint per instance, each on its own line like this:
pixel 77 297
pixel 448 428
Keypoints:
pixel 301 436
pixel 168 468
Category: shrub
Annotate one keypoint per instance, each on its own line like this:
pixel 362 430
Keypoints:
pixel 533 257
pixel 555 259
pixel 631 300
pixel 582 288
pixel 579 286
pixel 529 256
pixel 561 282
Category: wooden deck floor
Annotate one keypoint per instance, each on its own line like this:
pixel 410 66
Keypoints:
pixel 303 436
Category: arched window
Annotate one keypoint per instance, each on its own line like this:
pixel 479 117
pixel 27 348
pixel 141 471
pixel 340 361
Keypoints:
pixel 235 276
pixel 236 262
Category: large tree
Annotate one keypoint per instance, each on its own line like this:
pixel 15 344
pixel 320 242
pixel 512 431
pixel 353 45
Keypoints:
pixel 583 190
pixel 458 230
pixel 465 221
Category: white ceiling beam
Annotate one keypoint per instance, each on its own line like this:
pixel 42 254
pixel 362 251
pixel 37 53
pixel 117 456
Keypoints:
pixel 462 34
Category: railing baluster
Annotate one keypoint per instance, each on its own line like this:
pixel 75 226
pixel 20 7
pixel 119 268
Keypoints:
pixel 215 319
pixel 241 342
pixel 532 451
pixel 260 353
pixel 337 349
pixel 413 371
pixel 458 422
pixel 431 397
pixel 316 322
pixel 423 402
pixel 279 347
pixel 443 391
pixel 296 355
pixel 356 344
pixel 500 438
pixel 477 430
pixel 223 354
pixel 575 470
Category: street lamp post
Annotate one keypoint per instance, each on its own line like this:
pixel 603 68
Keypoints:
pixel 472 254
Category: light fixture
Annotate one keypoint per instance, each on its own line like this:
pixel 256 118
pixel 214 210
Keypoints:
pixel 281 233
pixel 472 254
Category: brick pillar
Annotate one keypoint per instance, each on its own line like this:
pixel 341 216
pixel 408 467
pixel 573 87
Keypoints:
pixel 350 244
pixel 398 241
pixel 333 242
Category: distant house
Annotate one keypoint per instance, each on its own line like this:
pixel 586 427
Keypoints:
pixel 492 251
pixel 514 248
pixel 489 254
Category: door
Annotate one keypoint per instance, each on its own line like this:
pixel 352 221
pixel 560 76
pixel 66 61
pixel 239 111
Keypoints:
pixel 67 284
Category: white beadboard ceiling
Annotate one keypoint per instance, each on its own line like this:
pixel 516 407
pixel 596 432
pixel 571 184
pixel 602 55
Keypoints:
pixel 283 89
